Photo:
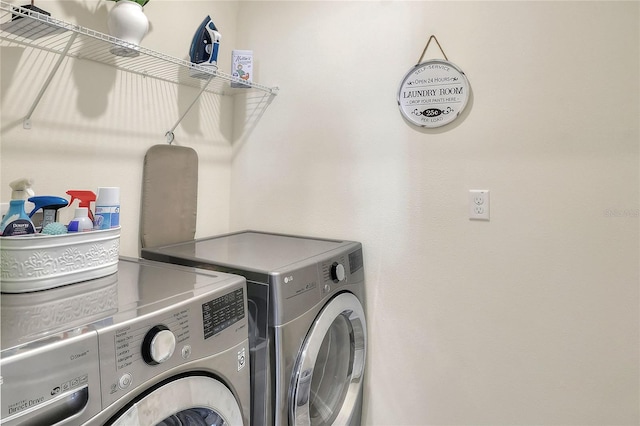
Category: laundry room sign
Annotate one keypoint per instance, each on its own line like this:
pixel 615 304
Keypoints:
pixel 433 93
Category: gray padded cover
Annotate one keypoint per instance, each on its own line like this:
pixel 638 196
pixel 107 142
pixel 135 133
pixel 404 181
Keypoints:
pixel 169 195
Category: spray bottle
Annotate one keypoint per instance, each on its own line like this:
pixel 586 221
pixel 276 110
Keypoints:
pixel 85 198
pixel 81 222
pixel 49 205
pixel 16 221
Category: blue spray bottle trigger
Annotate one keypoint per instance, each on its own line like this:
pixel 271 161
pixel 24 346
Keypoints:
pixel 49 205
pixel 43 201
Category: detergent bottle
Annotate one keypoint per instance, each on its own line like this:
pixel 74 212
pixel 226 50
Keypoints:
pixel 85 198
pixel 16 221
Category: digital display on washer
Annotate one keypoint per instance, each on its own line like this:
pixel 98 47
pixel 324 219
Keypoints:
pixel 222 312
pixel 355 261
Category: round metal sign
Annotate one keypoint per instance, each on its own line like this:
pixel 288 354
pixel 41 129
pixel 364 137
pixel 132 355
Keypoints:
pixel 433 93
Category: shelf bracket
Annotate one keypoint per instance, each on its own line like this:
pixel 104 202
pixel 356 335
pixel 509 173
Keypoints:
pixel 169 135
pixel 26 124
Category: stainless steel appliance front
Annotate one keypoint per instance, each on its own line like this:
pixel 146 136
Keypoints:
pixel 308 330
pixel 151 343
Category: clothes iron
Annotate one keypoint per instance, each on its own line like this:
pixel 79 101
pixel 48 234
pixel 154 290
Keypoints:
pixel 204 47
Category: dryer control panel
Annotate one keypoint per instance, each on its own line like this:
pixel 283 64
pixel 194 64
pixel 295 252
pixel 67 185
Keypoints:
pixel 334 273
pixel 341 270
pixel 299 288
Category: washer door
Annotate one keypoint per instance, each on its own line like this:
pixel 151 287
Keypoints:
pixel 327 379
pixel 193 400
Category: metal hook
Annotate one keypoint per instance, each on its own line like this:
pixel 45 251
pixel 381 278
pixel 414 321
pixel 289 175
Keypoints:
pixel 427 46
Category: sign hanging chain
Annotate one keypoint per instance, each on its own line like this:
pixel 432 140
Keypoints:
pixel 427 46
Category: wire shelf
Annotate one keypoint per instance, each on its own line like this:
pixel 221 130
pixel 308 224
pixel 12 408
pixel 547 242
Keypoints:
pixel 28 27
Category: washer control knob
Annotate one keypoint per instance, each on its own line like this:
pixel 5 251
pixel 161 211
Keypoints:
pixel 158 345
pixel 337 272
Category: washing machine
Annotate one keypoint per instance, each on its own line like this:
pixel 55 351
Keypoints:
pixel 308 332
pixel 152 344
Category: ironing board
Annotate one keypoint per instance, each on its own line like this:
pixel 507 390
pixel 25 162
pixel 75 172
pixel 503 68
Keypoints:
pixel 169 195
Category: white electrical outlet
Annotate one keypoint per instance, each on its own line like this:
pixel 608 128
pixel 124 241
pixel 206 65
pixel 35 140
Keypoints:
pixel 479 204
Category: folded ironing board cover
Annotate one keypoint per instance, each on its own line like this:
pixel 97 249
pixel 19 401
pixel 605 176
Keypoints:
pixel 169 195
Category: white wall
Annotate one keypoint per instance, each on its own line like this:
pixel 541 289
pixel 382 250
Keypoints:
pixel 531 318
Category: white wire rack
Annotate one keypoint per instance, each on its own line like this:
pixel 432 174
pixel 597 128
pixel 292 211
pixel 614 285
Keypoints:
pixel 27 27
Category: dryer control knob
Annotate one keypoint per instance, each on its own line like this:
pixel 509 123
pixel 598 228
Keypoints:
pixel 158 345
pixel 337 272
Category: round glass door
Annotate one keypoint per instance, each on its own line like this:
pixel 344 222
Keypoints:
pixel 193 400
pixel 328 376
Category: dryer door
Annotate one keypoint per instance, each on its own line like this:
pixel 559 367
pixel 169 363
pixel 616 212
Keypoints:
pixel 192 400
pixel 327 380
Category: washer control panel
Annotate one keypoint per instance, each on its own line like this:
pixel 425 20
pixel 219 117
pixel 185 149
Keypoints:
pixel 222 312
pixel 139 350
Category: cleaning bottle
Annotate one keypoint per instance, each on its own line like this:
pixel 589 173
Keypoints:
pixel 81 221
pixel 107 208
pixel 49 205
pixel 16 221
pixel 85 198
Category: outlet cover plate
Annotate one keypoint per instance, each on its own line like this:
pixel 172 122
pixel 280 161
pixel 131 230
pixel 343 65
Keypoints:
pixel 479 204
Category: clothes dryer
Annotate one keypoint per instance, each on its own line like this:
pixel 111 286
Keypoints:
pixel 308 335
pixel 153 344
